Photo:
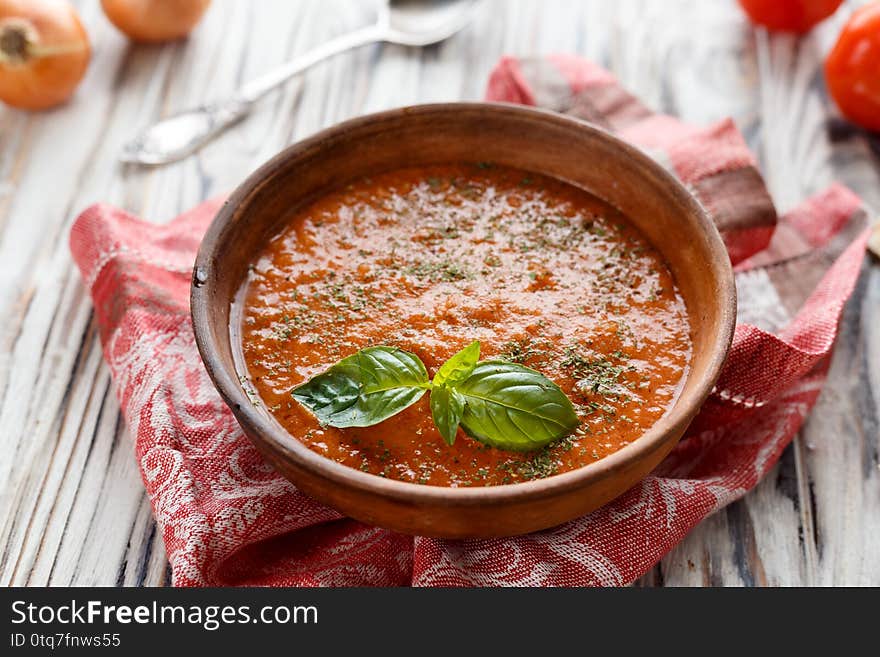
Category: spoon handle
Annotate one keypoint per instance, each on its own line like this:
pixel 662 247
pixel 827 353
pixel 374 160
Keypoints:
pixel 184 133
pixel 256 89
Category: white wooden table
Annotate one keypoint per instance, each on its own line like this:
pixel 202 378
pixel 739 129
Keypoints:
pixel 72 507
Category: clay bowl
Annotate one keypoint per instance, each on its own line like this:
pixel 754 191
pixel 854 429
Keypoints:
pixel 530 139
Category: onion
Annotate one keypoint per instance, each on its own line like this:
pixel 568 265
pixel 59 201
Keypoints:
pixel 44 52
pixel 155 20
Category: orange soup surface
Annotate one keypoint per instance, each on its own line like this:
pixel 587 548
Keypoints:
pixel 430 259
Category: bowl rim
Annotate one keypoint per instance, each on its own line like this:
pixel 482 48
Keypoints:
pixel 263 429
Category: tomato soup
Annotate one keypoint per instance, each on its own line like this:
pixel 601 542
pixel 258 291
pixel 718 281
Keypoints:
pixel 430 259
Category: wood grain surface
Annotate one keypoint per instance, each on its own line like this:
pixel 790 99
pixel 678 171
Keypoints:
pixel 72 507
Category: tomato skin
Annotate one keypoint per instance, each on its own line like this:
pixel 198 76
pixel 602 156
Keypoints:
pixel 852 70
pixel 797 16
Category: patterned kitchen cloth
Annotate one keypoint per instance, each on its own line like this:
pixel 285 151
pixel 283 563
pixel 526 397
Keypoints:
pixel 227 518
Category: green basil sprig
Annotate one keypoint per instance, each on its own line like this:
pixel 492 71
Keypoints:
pixel 499 403
pixel 365 388
pixel 447 404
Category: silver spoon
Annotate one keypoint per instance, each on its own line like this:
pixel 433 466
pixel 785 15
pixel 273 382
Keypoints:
pixel 402 22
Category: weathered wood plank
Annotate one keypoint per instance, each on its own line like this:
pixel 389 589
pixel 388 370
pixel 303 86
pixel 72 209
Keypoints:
pixel 72 508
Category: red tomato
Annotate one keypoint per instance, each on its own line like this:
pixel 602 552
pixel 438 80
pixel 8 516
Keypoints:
pixel 852 70
pixel 789 15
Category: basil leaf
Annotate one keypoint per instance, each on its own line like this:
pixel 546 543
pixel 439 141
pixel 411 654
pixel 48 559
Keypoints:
pixel 459 367
pixel 447 406
pixel 365 388
pixel 513 407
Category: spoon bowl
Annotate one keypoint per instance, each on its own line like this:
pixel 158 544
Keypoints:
pixel 421 23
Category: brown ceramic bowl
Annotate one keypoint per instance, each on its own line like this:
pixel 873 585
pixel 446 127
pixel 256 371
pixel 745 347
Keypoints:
pixel 530 139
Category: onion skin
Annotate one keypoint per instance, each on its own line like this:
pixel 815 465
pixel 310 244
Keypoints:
pixel 44 52
pixel 154 21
